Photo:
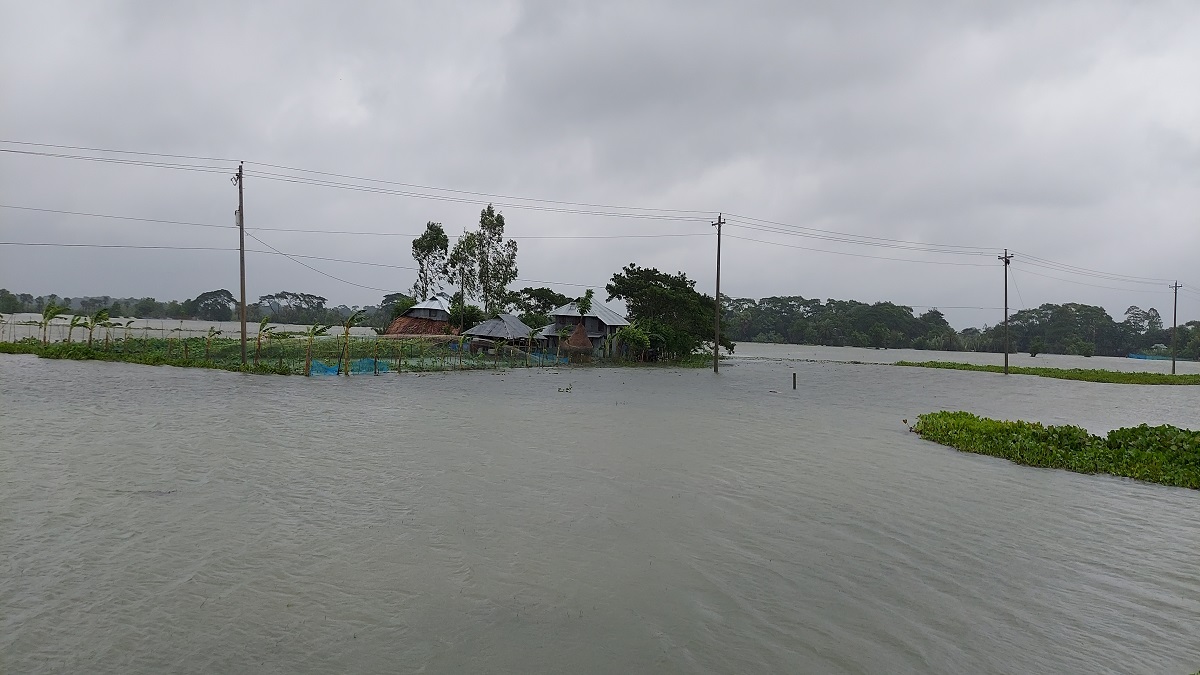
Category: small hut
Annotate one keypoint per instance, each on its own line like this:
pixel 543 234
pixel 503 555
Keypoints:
pixel 504 327
pixel 431 317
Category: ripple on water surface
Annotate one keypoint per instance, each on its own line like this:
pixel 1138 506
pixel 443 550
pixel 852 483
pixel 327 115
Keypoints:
pixel 653 520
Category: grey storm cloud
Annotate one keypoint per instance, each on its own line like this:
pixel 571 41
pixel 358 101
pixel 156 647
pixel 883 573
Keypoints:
pixel 1063 130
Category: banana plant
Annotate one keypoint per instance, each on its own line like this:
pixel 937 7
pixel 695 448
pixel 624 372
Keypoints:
pixel 212 333
pixel 49 314
pixel 314 331
pixel 263 330
pixel 93 322
pixel 350 322
pixel 108 326
pixel 76 322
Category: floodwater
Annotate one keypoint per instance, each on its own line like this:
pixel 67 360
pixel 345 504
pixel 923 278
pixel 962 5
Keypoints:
pixel 576 520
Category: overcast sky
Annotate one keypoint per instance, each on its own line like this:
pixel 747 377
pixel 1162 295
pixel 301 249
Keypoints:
pixel 1069 131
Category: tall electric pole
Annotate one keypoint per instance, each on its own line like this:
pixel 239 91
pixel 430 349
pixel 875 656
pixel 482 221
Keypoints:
pixel 1174 324
pixel 241 221
pixel 717 313
pixel 1007 259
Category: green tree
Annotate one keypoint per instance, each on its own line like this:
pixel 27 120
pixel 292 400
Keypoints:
pixel 77 321
pixel 668 306
pixel 93 322
pixel 49 313
pixel 214 305
pixel 584 304
pixel 497 261
pixel 462 267
pixel 349 322
pixel 9 303
pixel 430 251
pixel 264 331
pixel 314 331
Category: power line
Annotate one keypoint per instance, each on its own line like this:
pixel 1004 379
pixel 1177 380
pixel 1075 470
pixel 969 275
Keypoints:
pixel 979 250
pixel 464 200
pixel 121 152
pixel 345 232
pixel 488 195
pixel 859 255
pixel 114 217
pixel 300 262
pixel 915 247
pixel 115 160
pixel 1083 271
pixel 1082 283
pixel 135 246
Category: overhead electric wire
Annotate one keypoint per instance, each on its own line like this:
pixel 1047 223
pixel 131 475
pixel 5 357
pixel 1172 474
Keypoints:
pixel 143 246
pixel 489 195
pixel 114 217
pixel 858 255
pixel 1083 283
pixel 346 232
pixel 120 152
pixel 980 250
pixel 560 206
pixel 1083 271
pixel 129 162
pixel 1014 280
pixel 905 247
pixel 300 262
pixel 464 200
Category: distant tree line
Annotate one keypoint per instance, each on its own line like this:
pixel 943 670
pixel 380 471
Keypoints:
pixel 216 305
pixel 1070 328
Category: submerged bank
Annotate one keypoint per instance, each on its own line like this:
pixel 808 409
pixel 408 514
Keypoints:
pixel 1162 454
pixel 1078 374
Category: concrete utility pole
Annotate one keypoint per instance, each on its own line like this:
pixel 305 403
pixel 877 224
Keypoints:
pixel 717 313
pixel 1007 259
pixel 1174 324
pixel 241 221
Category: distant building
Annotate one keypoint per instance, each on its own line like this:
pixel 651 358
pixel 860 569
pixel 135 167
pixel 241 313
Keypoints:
pixel 431 317
pixel 504 327
pixel 599 324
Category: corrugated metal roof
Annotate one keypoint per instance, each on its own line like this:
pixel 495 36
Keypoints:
pixel 439 301
pixel 503 327
pixel 606 315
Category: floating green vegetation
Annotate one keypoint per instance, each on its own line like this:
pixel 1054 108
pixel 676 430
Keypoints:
pixel 1163 454
pixel 1083 375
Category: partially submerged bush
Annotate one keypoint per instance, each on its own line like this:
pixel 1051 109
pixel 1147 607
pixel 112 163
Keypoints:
pixel 1162 454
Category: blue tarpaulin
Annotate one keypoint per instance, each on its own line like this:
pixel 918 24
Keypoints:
pixel 360 366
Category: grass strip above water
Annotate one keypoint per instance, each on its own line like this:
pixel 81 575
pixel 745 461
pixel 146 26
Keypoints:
pixel 1079 374
pixel 1162 454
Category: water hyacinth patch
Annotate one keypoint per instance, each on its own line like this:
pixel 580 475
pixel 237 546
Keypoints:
pixel 1159 454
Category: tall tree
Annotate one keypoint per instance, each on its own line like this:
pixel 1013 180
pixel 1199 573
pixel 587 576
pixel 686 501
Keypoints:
pixel 497 261
pixel 668 307
pixel 462 267
pixel 430 251
pixel 214 305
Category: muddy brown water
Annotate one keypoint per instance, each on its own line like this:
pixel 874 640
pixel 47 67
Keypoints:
pixel 647 520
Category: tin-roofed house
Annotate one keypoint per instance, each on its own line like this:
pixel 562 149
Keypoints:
pixel 599 324
pixel 431 317
pixel 504 327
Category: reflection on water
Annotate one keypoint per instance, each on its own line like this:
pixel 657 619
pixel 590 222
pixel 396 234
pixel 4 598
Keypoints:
pixel 648 520
pixel 753 350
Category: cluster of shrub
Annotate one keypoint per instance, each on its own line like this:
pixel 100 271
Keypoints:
pixel 1159 454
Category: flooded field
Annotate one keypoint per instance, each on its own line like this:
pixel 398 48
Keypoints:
pixel 602 520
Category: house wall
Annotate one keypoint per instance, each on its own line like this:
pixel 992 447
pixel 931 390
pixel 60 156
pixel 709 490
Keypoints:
pixel 423 313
